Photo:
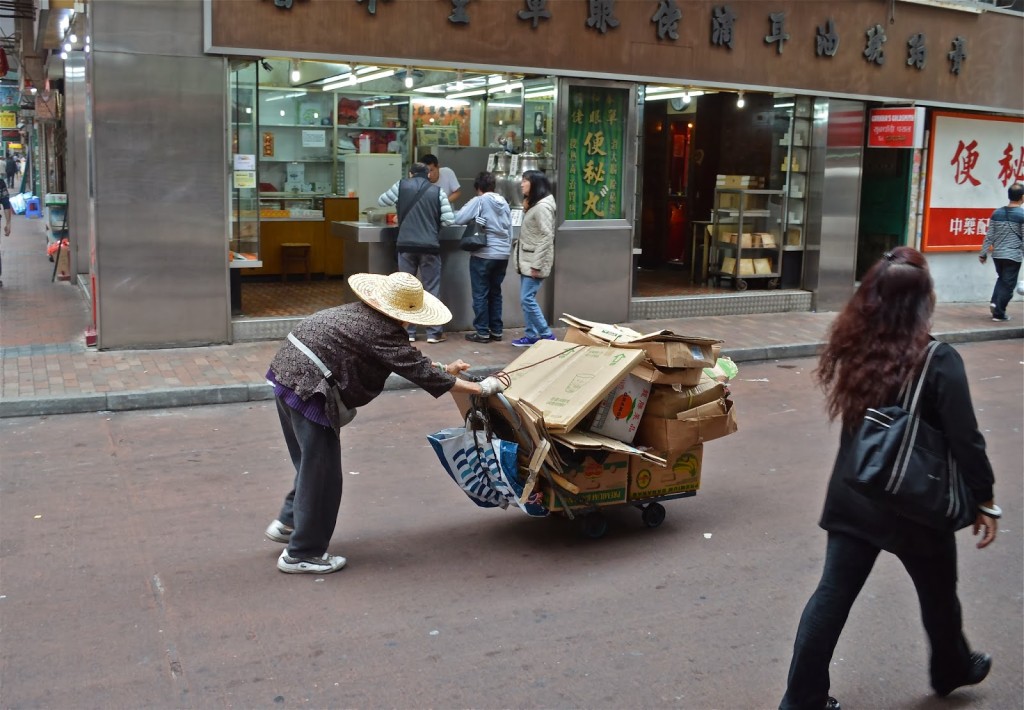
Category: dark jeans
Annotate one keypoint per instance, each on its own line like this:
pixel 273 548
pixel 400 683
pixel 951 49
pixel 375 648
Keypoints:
pixel 1006 280
pixel 429 268
pixel 848 561
pixel 311 508
pixel 485 276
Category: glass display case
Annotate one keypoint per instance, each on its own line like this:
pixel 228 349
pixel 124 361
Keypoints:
pixel 244 240
pixel 296 141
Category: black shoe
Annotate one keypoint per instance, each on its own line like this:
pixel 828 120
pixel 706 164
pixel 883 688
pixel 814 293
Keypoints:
pixel 832 704
pixel 496 337
pixel 977 671
pixel 477 338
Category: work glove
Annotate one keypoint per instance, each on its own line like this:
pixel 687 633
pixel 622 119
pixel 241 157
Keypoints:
pixel 491 385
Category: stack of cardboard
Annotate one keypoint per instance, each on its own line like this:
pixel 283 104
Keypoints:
pixel 610 416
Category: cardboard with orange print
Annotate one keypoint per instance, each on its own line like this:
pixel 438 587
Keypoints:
pixel 618 415
pixel 680 474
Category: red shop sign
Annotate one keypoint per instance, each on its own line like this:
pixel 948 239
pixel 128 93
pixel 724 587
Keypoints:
pixel 896 128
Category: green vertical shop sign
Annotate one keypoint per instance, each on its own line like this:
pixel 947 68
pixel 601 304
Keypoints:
pixel 597 126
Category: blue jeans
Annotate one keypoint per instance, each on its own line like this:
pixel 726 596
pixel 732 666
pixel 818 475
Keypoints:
pixel 848 561
pixel 311 507
pixel 429 267
pixel 1006 280
pixel 536 325
pixel 485 276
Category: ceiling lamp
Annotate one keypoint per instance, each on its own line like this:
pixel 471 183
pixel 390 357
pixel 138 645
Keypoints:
pixel 740 101
pixel 459 84
pixel 295 71
pixel 408 78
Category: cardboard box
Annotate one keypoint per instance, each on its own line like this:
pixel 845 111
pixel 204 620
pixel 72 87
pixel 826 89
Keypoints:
pixel 646 369
pixel 667 401
pixel 664 348
pixel 766 240
pixel 602 481
pixel 762 266
pixel 681 474
pixel 747 240
pixel 618 415
pixel 704 423
pixel 746 266
pixel 739 181
pixel 566 381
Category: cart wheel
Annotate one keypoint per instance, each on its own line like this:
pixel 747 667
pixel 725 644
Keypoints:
pixel 595 525
pixel 653 515
pixel 774 283
pixel 740 285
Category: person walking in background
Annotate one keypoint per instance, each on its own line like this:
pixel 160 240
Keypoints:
pixel 11 168
pixel 1003 239
pixel 5 203
pixel 333 362
pixel 891 312
pixel 423 209
pixel 444 178
pixel 487 266
pixel 534 254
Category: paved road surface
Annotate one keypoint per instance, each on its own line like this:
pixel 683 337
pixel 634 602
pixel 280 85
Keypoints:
pixel 133 571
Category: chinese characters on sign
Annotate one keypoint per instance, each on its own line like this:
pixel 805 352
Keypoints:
pixel 536 10
pixel 827 42
pixel 778 32
pixel 874 51
pixel 957 55
pixel 459 14
pixel 597 122
pixel 973 160
pixel 916 51
pixel 667 17
pixel 600 17
pixel 722 19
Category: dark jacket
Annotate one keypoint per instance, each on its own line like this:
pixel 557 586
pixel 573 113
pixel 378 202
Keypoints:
pixel 419 220
pixel 946 405
pixel 361 347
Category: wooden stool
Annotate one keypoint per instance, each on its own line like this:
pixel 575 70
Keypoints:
pixel 294 252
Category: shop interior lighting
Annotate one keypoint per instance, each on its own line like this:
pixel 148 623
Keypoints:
pixel 740 101
pixel 63 55
pixel 536 93
pixel 346 81
pixel 466 94
pixel 506 88
pixel 73 38
pixel 459 84
pixel 408 78
pixel 684 95
pixel 87 49
pixel 295 71
pixel 68 47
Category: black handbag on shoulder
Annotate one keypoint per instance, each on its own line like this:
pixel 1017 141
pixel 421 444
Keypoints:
pixel 902 461
pixel 474 238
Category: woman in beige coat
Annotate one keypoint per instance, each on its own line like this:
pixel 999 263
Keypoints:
pixel 534 254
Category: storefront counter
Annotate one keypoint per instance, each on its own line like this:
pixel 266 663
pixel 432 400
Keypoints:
pixel 365 251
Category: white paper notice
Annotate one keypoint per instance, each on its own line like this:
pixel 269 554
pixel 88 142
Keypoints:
pixel 314 139
pixel 245 162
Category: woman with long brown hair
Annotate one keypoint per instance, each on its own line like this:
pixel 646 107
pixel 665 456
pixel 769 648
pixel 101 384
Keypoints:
pixel 875 345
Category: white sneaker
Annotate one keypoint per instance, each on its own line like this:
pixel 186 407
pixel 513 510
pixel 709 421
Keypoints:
pixel 309 565
pixel 412 338
pixel 278 532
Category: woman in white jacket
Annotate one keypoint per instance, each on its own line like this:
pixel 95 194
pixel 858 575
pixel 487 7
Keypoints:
pixel 534 254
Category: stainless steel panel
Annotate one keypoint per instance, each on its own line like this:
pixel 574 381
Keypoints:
pixel 165 27
pixel 592 270
pixel 839 195
pixel 366 252
pixel 160 218
pixel 76 165
pixel 720 304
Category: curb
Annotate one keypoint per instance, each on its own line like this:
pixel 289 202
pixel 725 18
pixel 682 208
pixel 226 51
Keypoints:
pixel 258 392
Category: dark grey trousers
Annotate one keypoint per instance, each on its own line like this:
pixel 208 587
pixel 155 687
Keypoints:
pixel 311 507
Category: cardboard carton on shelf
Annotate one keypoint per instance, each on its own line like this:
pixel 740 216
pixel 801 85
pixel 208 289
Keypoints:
pixel 746 266
pixel 618 415
pixel 762 266
pixel 680 474
pixel 691 427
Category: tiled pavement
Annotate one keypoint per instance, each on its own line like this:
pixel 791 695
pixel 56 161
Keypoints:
pixel 46 368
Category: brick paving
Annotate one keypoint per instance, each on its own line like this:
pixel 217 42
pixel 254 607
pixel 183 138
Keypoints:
pixel 45 367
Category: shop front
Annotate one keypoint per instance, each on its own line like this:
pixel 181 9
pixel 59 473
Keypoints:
pixel 707 158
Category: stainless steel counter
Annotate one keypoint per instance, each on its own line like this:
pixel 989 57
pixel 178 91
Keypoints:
pixel 366 252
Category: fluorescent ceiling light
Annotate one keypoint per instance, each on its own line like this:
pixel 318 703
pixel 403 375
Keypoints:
pixel 292 95
pixel 495 104
pixel 506 88
pixel 674 95
pixel 359 79
pixel 538 94
pixel 466 94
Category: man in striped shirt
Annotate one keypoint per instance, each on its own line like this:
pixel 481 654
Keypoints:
pixel 1003 241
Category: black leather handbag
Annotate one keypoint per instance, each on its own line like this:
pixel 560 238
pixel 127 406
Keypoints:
pixel 474 238
pixel 905 463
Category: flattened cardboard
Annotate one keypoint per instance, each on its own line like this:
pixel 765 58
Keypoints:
pixel 668 401
pixel 619 413
pixel 566 381
pixel 585 440
pixel 664 348
pixel 704 423
pixel 645 370
pixel 680 474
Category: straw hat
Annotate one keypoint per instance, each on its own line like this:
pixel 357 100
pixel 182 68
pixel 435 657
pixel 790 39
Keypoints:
pixel 400 296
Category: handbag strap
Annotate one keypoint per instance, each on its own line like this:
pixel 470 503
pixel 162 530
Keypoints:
pixel 416 199
pixel 328 375
pixel 912 402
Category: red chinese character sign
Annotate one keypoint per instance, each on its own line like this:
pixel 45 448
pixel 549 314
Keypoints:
pixel 597 126
pixel 972 160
